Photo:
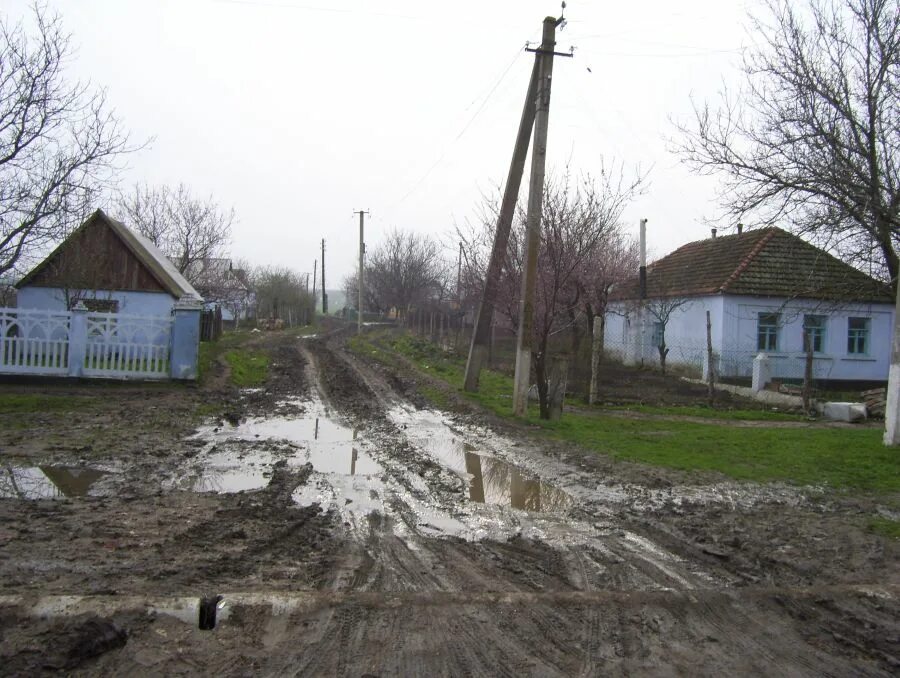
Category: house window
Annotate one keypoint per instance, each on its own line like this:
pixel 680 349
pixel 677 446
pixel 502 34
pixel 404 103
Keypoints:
pixel 858 336
pixel 767 332
pixel 658 334
pixel 814 328
pixel 97 305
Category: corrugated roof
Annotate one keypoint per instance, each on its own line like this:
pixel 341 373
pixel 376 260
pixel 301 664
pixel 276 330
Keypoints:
pixel 763 262
pixel 162 269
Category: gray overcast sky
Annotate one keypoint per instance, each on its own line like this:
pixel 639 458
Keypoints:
pixel 297 112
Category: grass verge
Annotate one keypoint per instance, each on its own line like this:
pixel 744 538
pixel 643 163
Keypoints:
pixel 885 527
pixel 248 367
pixel 27 403
pixel 841 458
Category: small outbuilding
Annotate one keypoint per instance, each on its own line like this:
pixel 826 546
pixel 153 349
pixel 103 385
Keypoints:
pixel 107 267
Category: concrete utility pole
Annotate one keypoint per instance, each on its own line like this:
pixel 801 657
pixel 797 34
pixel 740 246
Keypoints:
pixel 892 406
pixel 362 254
pixel 533 218
pixel 642 271
pixel 324 295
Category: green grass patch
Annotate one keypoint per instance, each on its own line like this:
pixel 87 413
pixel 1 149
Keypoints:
pixel 704 411
pixel 28 403
pixel 842 458
pixel 248 367
pixel 885 527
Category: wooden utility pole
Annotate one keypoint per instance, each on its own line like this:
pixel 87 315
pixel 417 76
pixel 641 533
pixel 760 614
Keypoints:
pixel 481 333
pixel 533 218
pixel 324 295
pixel 362 255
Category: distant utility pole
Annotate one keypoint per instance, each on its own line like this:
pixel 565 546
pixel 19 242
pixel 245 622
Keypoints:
pixel 362 254
pixel 324 294
pixel 481 334
pixel 315 270
pixel 533 218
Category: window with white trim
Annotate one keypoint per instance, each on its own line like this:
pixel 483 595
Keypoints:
pixel 814 328
pixel 858 335
pixel 767 331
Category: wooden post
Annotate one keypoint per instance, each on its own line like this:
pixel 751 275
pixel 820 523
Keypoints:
pixel 559 376
pixel 710 368
pixel 806 392
pixel 596 351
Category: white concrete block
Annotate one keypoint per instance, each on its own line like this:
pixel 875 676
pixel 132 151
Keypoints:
pixel 850 412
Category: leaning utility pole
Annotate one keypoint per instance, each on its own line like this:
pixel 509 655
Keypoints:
pixel 481 334
pixel 362 254
pixel 324 295
pixel 533 218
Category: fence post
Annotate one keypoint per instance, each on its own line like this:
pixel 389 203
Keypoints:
pixel 762 371
pixel 77 339
pixel 559 375
pixel 185 340
pixel 596 356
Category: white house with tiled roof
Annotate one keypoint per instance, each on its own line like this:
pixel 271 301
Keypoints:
pixel 765 290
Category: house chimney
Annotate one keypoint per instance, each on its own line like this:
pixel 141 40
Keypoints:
pixel 643 262
pixel 740 228
pixel 713 232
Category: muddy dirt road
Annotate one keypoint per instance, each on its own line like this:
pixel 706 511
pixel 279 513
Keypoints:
pixel 351 531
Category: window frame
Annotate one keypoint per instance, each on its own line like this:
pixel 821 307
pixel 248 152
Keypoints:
pixel 859 335
pixel 817 332
pixel 772 332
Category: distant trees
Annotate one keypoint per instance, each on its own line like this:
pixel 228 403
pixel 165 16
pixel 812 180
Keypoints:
pixel 580 241
pixel 813 138
pixel 405 270
pixel 58 140
pixel 191 231
pixel 282 293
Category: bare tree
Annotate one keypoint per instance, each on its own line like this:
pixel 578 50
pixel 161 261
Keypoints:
pixel 405 270
pixel 281 293
pixel 191 231
pixel 58 140
pixel 661 309
pixel 579 215
pixel 814 137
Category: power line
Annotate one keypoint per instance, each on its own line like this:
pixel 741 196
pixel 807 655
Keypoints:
pixel 468 124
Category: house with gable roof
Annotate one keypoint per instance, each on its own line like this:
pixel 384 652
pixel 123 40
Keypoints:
pixel 106 303
pixel 107 267
pixel 766 290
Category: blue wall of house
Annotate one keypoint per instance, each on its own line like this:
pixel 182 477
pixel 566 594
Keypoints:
pixel 735 327
pixel 130 303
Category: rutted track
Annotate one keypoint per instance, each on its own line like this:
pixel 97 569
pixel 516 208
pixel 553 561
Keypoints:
pixel 409 571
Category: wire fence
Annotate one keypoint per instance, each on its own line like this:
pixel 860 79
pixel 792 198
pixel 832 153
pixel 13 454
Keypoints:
pixel 683 359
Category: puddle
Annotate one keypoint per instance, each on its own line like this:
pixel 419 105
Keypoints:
pixel 231 465
pixel 491 480
pixel 47 482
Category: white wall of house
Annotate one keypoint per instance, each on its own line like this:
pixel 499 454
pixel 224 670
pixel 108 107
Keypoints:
pixel 735 336
pixel 153 304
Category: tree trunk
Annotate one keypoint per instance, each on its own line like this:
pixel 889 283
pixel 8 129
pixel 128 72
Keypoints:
pixel 559 376
pixel 663 352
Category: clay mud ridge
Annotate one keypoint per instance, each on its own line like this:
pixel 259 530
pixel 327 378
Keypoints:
pixel 350 530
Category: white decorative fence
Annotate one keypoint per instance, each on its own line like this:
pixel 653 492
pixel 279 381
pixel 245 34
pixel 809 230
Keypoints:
pixel 80 343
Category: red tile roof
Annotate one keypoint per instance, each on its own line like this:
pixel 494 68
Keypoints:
pixel 766 262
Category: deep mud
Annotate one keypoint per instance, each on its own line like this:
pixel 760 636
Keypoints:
pixel 351 530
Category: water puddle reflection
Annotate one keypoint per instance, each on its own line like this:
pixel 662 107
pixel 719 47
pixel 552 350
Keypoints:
pixel 47 482
pixel 241 457
pixel 491 480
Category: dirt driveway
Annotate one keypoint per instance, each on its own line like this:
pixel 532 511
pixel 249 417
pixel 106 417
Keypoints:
pixel 349 531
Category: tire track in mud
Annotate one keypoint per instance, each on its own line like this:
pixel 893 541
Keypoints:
pixel 727 632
